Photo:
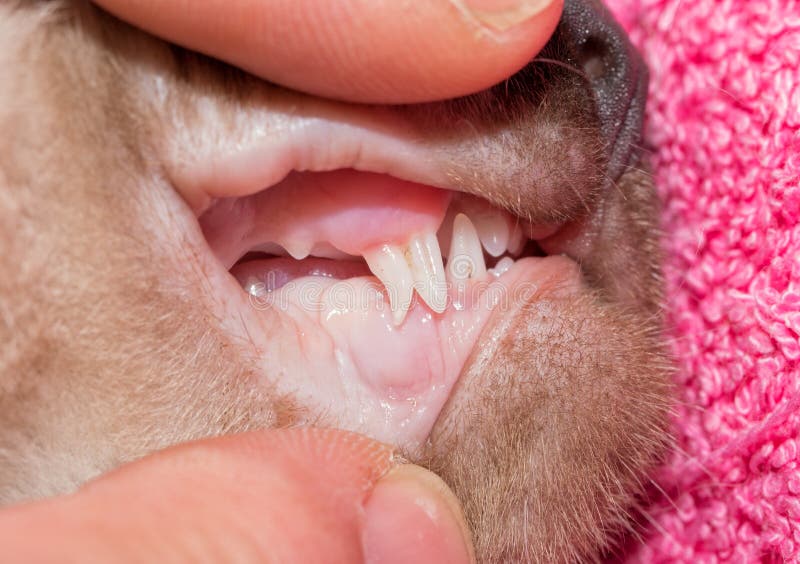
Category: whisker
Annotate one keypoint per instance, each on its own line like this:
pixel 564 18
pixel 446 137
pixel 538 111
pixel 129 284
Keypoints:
pixel 571 68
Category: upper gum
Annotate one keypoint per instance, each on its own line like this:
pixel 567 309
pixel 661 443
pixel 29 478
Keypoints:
pixel 398 210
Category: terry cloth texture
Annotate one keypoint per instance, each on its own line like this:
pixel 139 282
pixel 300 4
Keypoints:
pixel 723 128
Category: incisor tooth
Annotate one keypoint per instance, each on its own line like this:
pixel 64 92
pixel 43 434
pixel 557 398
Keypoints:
pixel 493 231
pixel 255 287
pixel 389 264
pixel 502 266
pixel 466 255
pixel 425 259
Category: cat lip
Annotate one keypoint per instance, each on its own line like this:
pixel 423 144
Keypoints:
pixel 322 136
pixel 507 160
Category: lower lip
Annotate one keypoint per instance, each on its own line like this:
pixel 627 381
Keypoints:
pixel 331 344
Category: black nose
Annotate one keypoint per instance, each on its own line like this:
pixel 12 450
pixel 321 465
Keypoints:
pixel 617 74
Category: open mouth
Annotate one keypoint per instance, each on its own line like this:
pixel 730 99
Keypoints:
pixel 367 279
pixel 419 241
pixel 366 252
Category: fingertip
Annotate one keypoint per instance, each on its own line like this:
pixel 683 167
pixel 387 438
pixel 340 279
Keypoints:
pixel 359 50
pixel 412 516
pixel 507 35
pixel 441 50
pixel 308 495
pixel 351 457
pixel 499 16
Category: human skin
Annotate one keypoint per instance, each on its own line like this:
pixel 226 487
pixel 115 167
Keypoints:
pixel 577 397
pixel 418 52
pixel 255 497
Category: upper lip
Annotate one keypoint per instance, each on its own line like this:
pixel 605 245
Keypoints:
pixel 257 145
pixel 306 134
pixel 355 138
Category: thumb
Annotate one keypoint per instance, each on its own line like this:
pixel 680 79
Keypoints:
pixel 377 51
pixel 308 495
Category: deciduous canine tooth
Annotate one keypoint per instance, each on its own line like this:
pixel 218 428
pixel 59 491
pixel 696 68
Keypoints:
pixel 297 250
pixel 389 264
pixel 466 255
pixel 493 232
pixel 425 259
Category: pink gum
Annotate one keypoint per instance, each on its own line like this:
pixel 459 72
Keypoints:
pixel 353 211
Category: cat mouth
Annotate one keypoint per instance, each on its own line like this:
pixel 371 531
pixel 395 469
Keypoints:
pixel 363 271
pixel 364 252
pixel 420 242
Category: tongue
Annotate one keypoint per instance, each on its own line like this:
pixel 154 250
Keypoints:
pixel 262 276
pixel 346 210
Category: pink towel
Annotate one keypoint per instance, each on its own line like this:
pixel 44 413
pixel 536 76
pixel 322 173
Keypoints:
pixel 724 128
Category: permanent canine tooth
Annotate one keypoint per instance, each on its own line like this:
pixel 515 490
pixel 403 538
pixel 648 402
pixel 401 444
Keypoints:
pixel 493 232
pixel 517 240
pixel 326 250
pixel 389 264
pixel 445 233
pixel 270 249
pixel 425 259
pixel 466 255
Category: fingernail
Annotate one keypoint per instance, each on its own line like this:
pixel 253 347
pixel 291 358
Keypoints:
pixel 501 15
pixel 412 516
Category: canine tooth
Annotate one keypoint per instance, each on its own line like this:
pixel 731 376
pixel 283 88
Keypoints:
pixel 502 266
pixel 517 240
pixel 445 233
pixel 466 255
pixel 389 264
pixel 493 231
pixel 298 250
pixel 328 251
pixel 425 259
pixel 270 249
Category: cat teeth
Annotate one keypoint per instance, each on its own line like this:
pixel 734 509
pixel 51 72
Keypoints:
pixel 493 231
pixel 389 264
pixel 402 270
pixel 502 266
pixel 425 259
pixel 418 266
pixel 255 287
pixel 517 240
pixel 465 259
pixel 298 250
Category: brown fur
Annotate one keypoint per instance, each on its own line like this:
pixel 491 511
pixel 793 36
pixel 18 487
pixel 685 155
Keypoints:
pixel 111 347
